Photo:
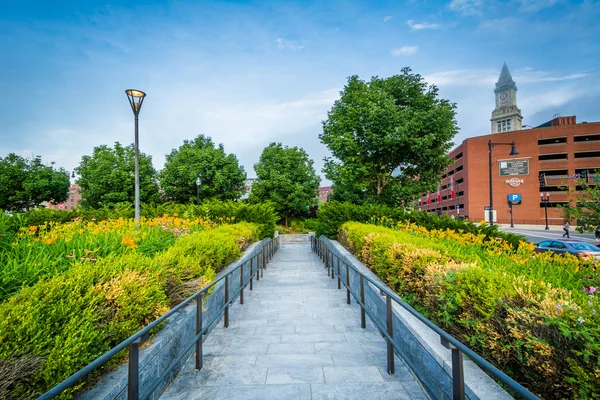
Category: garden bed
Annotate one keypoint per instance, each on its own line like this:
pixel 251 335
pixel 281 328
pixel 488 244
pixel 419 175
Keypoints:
pixel 531 314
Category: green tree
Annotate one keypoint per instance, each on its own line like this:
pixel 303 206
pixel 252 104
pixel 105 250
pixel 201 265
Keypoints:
pixel 389 138
pixel 586 207
pixel 286 177
pixel 221 176
pixel 107 177
pixel 25 184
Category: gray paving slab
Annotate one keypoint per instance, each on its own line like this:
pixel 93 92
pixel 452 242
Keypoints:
pixel 296 338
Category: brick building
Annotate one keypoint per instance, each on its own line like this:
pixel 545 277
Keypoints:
pixel 551 158
pixel 324 193
pixel 72 201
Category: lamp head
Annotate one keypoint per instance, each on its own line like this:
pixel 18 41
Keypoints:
pixel 198 181
pixel 136 98
pixel 542 195
pixel 513 149
pixel 548 195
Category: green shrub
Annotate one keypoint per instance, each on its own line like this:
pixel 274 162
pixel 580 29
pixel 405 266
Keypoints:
pixel 219 211
pixel 333 215
pixel 54 328
pixel 532 315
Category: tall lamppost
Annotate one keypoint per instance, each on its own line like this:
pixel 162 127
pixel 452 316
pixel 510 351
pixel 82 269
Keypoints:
pixel 545 201
pixel 513 152
pixel 198 183
pixel 136 98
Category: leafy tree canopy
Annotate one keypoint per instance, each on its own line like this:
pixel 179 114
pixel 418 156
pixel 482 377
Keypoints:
pixel 25 184
pixel 285 176
pixel 586 208
pixel 107 177
pixel 389 138
pixel 221 176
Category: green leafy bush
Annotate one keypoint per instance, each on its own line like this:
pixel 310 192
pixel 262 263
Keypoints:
pixel 531 314
pixel 334 214
pixel 262 214
pixel 57 326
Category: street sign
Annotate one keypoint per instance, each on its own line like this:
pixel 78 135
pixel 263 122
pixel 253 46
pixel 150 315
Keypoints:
pixel 514 167
pixel 514 199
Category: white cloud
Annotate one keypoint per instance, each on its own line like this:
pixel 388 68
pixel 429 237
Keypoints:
pixel 500 24
pixel 405 51
pixel 289 44
pixel 466 7
pixel 424 25
pixel 535 5
pixel 488 77
pixel 387 18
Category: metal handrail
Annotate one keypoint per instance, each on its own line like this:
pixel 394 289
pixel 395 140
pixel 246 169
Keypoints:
pixel 321 246
pixel 268 247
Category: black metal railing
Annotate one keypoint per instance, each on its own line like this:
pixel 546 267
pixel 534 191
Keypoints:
pixel 257 263
pixel 329 254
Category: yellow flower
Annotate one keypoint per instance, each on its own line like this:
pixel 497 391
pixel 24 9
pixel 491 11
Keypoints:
pixel 129 242
pixel 32 228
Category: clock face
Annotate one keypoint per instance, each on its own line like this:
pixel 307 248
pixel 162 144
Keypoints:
pixel 503 96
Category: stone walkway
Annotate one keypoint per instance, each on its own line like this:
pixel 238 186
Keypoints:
pixel 294 338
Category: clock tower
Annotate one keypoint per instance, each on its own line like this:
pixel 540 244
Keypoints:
pixel 507 116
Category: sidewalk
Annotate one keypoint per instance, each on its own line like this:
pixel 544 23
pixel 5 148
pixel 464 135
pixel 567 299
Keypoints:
pixel 295 338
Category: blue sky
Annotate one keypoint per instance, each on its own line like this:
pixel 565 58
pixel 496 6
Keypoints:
pixel 248 73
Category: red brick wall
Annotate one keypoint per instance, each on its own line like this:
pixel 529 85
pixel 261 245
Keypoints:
pixel 476 176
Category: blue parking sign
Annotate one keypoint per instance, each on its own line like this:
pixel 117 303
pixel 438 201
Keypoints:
pixel 514 199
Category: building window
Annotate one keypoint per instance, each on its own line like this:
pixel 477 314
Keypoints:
pixel 499 127
pixel 555 156
pixel 554 140
pixel 458 156
pixel 587 154
pixel 459 181
pixel 459 168
pixel 586 138
pixel 508 125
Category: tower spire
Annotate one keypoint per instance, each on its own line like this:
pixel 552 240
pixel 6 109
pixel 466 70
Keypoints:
pixel 505 81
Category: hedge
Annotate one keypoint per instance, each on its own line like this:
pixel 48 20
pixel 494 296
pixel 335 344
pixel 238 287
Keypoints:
pixel 497 300
pixel 333 215
pixel 54 328
pixel 261 214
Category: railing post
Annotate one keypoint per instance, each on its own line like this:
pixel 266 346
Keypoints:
pixel 257 267
pixel 226 313
pixel 390 331
pixel 333 256
pixel 326 259
pixel 363 319
pixel 242 283
pixel 262 263
pixel 198 330
pixel 339 279
pixel 251 274
pixel 133 379
pixel 347 285
pixel 458 376
pixel 266 256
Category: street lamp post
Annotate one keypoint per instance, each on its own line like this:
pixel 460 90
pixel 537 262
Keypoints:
pixel 136 98
pixel 198 183
pixel 545 201
pixel 513 152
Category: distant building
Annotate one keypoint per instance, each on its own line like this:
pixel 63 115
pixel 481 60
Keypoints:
pixel 247 187
pixel 552 157
pixel 72 201
pixel 325 193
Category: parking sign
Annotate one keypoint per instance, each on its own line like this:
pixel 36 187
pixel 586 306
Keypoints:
pixel 514 198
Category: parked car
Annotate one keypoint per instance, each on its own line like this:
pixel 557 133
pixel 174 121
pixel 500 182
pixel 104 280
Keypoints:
pixel 581 249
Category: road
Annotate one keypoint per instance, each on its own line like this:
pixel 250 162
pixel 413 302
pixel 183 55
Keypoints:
pixel 537 234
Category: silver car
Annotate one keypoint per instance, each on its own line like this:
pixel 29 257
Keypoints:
pixel 581 249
